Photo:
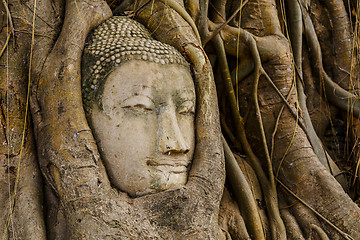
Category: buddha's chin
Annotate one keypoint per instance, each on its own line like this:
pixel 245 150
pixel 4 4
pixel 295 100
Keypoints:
pixel 176 180
pixel 165 180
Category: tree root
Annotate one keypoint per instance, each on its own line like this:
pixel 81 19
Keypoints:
pixel 338 96
pixel 19 165
pixel 319 231
pixel 342 47
pixel 296 44
pixel 9 19
pixel 183 13
pixel 293 230
pixel 216 31
pixel 277 226
pixel 243 195
pixel 343 234
pixel 242 70
pixel 6 44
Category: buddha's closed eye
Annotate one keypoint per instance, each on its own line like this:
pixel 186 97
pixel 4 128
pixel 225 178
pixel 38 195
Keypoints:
pixel 138 102
pixel 187 107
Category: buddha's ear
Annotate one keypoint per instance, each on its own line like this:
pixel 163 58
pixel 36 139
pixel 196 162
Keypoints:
pixel 208 168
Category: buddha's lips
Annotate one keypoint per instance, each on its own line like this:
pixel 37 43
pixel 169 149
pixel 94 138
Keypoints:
pixel 174 164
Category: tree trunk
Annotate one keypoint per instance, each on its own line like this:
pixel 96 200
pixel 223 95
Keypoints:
pixel 283 72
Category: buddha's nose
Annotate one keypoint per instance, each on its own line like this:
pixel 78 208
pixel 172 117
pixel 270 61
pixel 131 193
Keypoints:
pixel 170 138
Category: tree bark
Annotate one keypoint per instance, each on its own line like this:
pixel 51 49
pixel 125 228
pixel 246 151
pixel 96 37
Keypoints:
pixel 53 184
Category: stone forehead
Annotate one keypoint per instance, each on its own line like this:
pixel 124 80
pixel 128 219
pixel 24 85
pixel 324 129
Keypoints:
pixel 118 40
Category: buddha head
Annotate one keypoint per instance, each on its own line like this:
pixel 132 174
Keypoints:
pixel 139 99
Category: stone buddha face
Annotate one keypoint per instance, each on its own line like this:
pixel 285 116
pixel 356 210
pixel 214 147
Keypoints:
pixel 140 101
pixel 145 129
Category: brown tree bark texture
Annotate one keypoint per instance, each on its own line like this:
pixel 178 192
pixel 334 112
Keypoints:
pixel 55 156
